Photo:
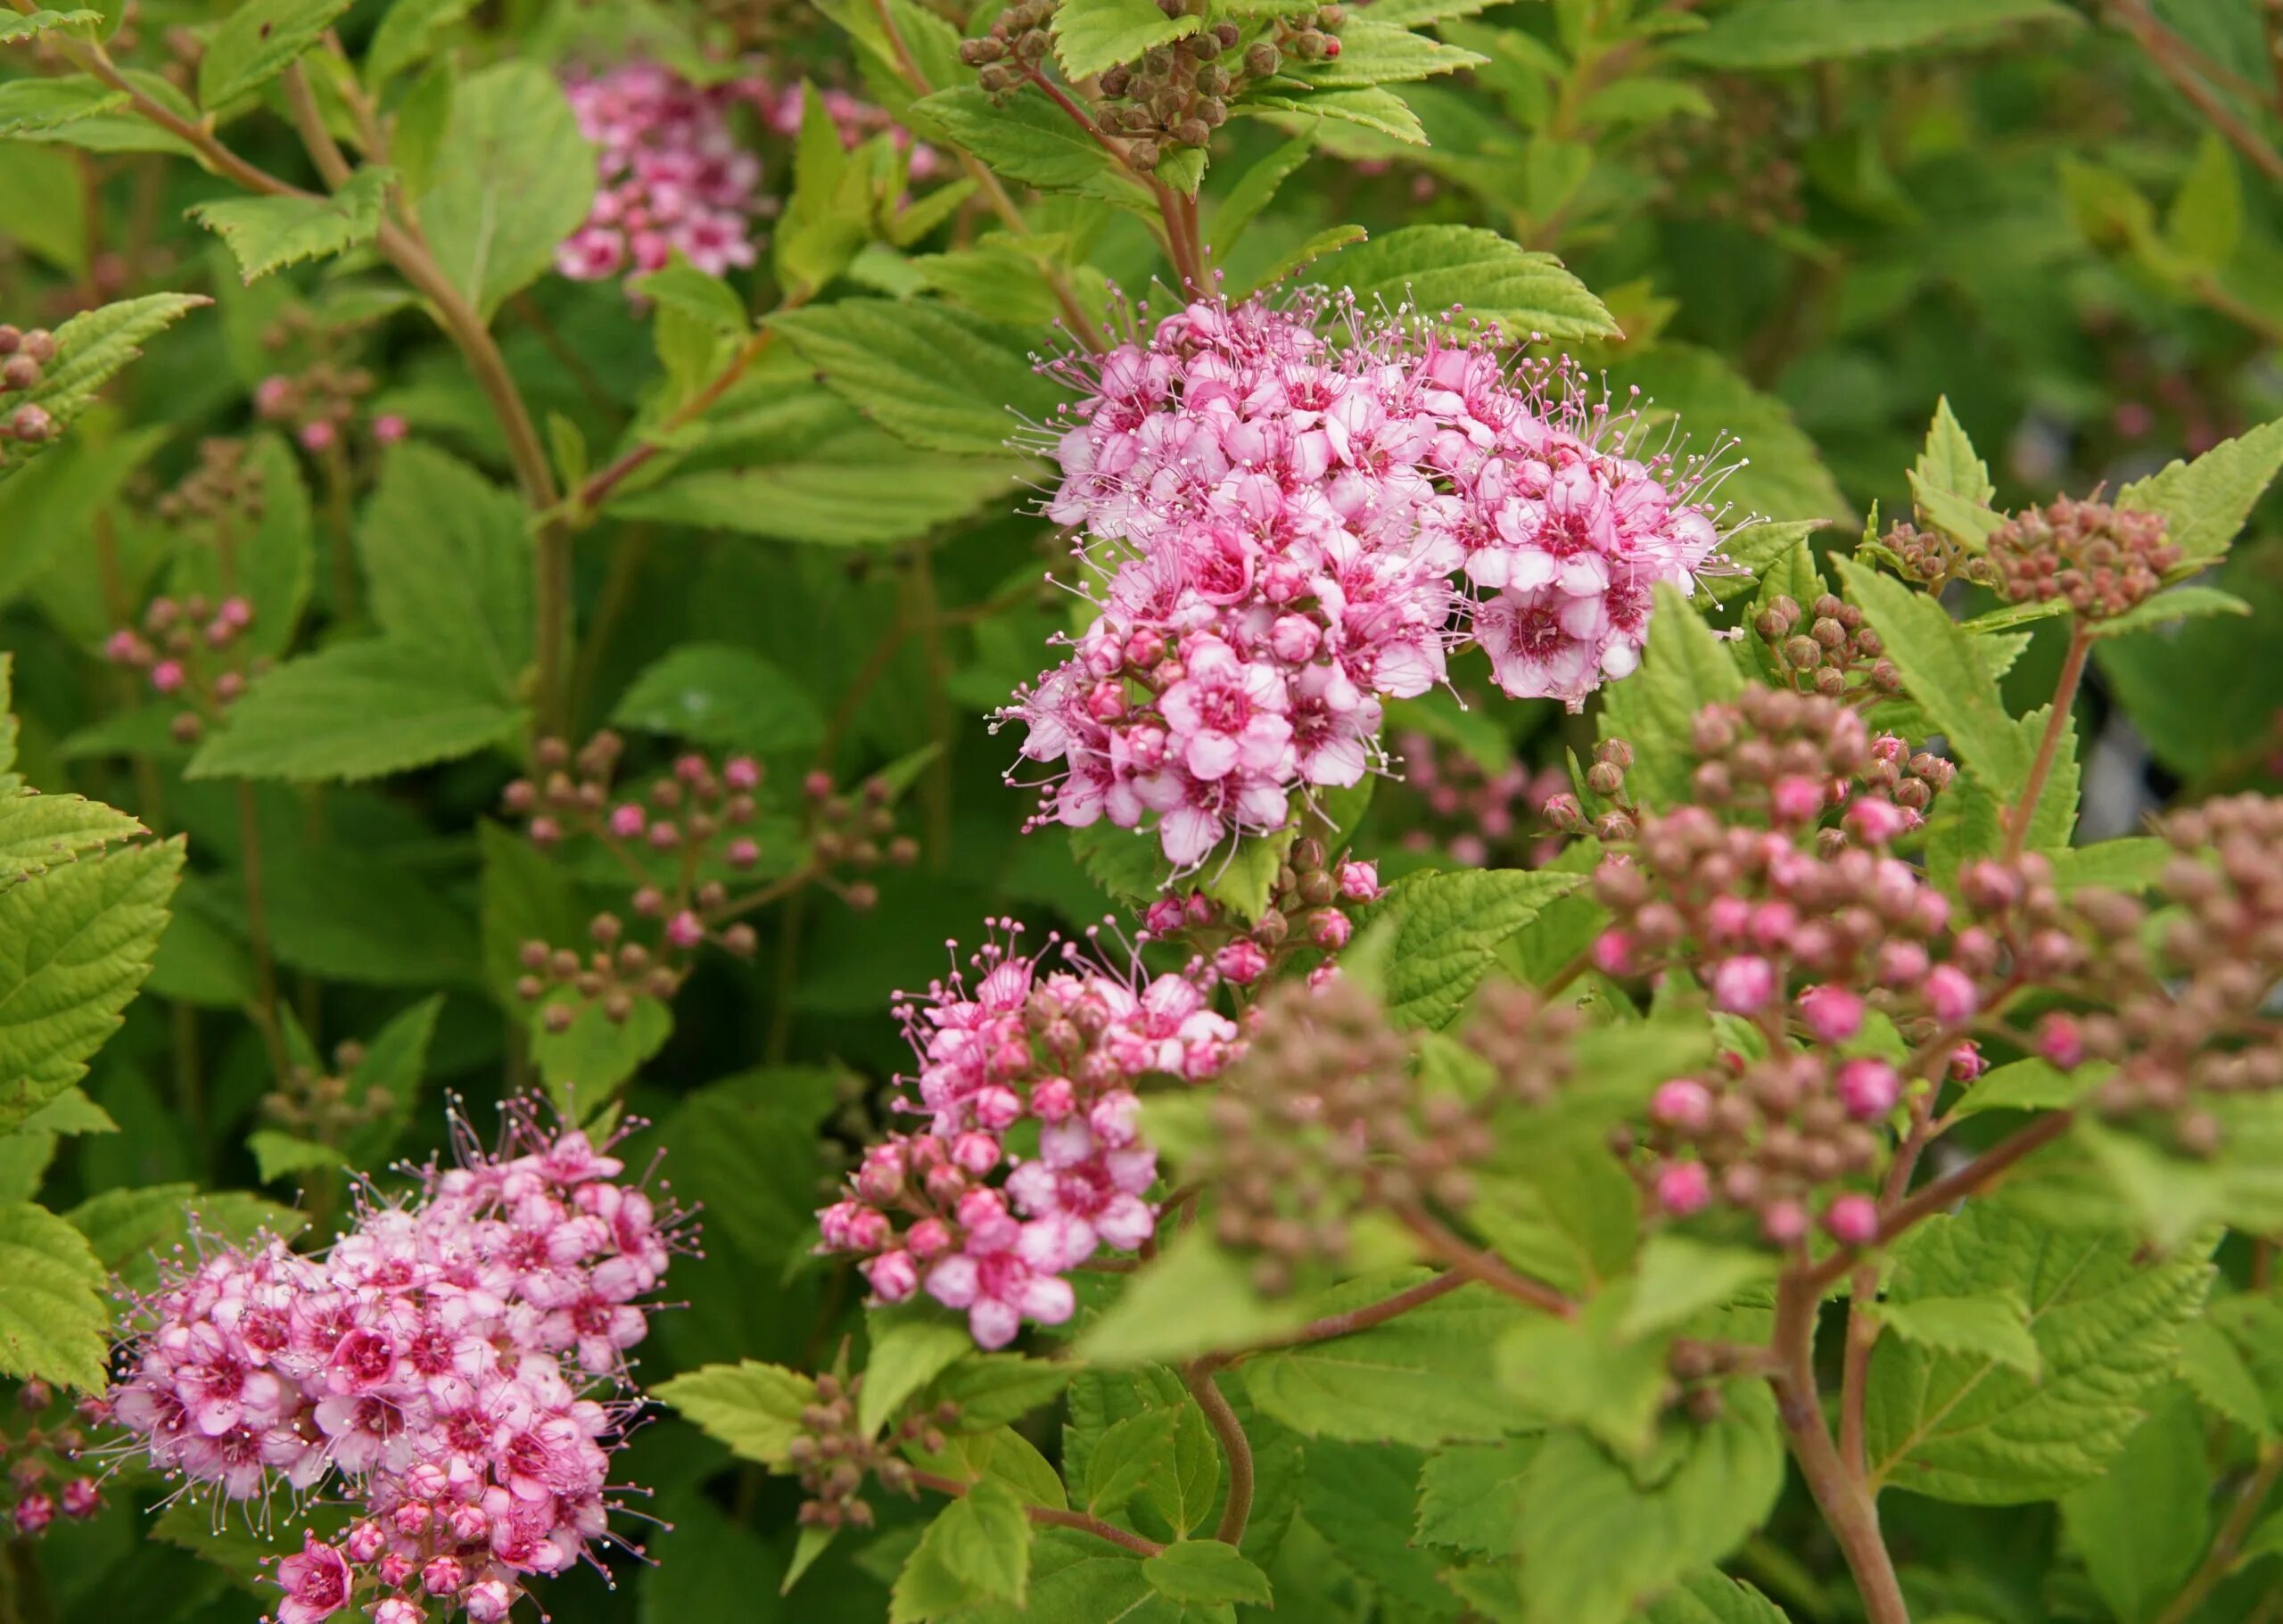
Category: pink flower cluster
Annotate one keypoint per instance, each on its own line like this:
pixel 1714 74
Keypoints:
pixel 950 1209
pixel 669 174
pixel 1283 522
pixel 455 1365
pixel 1473 813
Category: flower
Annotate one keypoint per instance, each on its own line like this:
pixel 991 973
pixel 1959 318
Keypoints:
pixel 1288 531
pixel 669 175
pixel 315 1582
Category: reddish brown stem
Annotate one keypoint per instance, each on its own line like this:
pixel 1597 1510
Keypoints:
pixel 2170 53
pixel 1862 1324
pixel 1237 1510
pixel 1047 1516
pixel 2056 728
pixel 1487 1267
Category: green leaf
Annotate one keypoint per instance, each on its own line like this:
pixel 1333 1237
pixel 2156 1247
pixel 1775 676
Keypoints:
pixel 1191 1298
pixel 1559 1207
pixel 354 711
pixel 1713 1598
pixel 75 944
pixel 518 177
pixel 1379 111
pixel 1585 1372
pixel 714 694
pixel 1967 1426
pixel 2179 604
pixel 906 1357
pixel 1255 190
pixel 256 42
pixel 754 1408
pixel 1780 474
pixel 53 1322
pixel 1679 1278
pixel 1989 1324
pixel 1025 138
pixel 2029 1086
pixel 860 489
pixel 1683 669
pixel 1945 668
pixel 829 217
pixel 276 1155
pixel 2162 677
pixel 408 33
pixel 2206 223
pixel 1766 35
pixel 92 348
pixel 448 558
pixel 1948 464
pixel 2140 1528
pixel 32 104
pixel 1205 1572
pixel 16 26
pixel 994 1389
pixel 2218 1376
pixel 1433 267
pixel 1448 934
pixel 981 1543
pixel 932 376
pixel 584 1063
pixel 129 1226
pixel 1310 250
pixel 2205 502
pixel 1128 1456
pixel 38 831
pixel 267 233
pixel 1092 34
pixel 745 1149
pixel 1596 1541
pixel 1373 51
pixel 1424 1377
pixel 1471 1496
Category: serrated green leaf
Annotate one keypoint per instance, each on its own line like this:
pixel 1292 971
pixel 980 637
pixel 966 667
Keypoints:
pixel 1205 1572
pixel 1949 462
pixel 92 348
pixel 1987 1325
pixel 715 694
pixel 754 1408
pixel 745 1149
pixel 860 489
pixel 278 1155
pixel 1255 190
pixel 1946 670
pixel 2205 502
pixel 53 1322
pixel 1191 1298
pixel 351 712
pixel 1450 928
pixel 1373 51
pixel 1779 473
pixel 1585 1372
pixel 2179 603
pixel 1379 111
pixel 1128 1456
pixel 1092 34
pixel 584 1064
pixel 256 42
pixel 129 1226
pixel 38 831
pixel 979 1548
pixel 1965 1426
pixel 1471 1496
pixel 267 233
pixel 1498 282
pixel 447 559
pixel 2216 1374
pixel 75 944
pixel 994 1389
pixel 2029 1086
pixel 941 380
pixel 1025 137
pixel 2206 222
pixel 520 178
pixel 1678 1278
pixel 30 104
pixel 16 26
pixel 1425 1377
pixel 1714 1598
pixel 1766 35
pixel 408 35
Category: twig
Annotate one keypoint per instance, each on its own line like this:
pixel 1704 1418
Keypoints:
pixel 1234 1445
pixel 1047 1516
pixel 2221 1557
pixel 1487 1267
pixel 2065 699
pixel 2172 55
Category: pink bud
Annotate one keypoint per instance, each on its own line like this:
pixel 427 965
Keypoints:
pixel 399 1610
pixel 1868 1088
pixel 1612 952
pixel 817 784
pixel 1241 963
pixel 1682 1104
pixel 930 1239
pixel 1784 1222
pixel 1795 799
pixel 664 835
pixel 742 853
pixel 167 676
pixel 1774 925
pixel 271 394
pixel 1966 1063
pixel 83 1498
pixel 1328 929
pixel 1901 964
pixel 628 820
pixel 1950 994
pixel 1727 919
pixel 684 930
pixel 123 647
pixel 1198 909
pixel 981 1209
pixel 236 613
pixel 1874 821
pixel 319 436
pixel 35 1511
pixel 443 1575
pixel 1743 984
pixel 741 773
pixel 976 1152
pixel 469 1523
pixel 2060 1041
pixel 390 427
pixel 545 831
pixel 1684 1188
pixel 1106 701
pixel 1163 916
pixel 893 1275
pixel 1053 1099
pixel 1359 882
pixel 1853 1220
pixel 394 1569
pixel 1294 638
pixel 1145 648
pixel 1834 1014
pixel 488 1601
pixel 995 1106
pixel 365 1541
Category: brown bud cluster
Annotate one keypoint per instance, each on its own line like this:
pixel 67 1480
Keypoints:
pixel 224 492
pixel 326 1108
pixel 2187 1019
pixel 2100 560
pixel 834 1457
pixel 1826 649
pixel 1934 560
pixel 1175 94
pixel 24 357
pixel 854 831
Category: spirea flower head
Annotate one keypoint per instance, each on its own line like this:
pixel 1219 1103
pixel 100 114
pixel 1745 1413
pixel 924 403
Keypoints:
pixel 1059 1042
pixel 455 1366
pixel 2100 560
pixel 669 174
pixel 1294 513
